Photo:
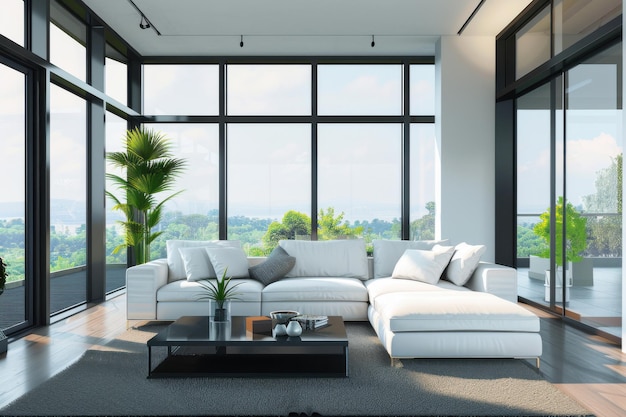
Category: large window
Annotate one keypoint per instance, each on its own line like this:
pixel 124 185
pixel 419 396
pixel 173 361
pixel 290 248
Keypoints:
pixel 116 260
pixel 68 199
pixel 302 162
pixel 567 133
pixel 13 195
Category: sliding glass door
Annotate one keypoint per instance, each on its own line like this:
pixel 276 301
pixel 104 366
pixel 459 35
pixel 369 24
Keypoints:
pixel 569 192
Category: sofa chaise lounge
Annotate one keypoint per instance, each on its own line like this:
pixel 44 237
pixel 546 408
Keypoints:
pixel 423 299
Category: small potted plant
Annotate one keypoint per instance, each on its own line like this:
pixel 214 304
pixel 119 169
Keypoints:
pixel 220 294
pixel 575 242
pixel 3 281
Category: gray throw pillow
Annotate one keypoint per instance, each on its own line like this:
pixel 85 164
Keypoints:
pixel 276 266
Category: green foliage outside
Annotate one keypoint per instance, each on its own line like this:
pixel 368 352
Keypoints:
pixel 258 236
pixel 603 214
pixel 605 231
pixel 424 227
pixel 575 233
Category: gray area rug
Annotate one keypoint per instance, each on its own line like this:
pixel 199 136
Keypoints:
pixel 112 381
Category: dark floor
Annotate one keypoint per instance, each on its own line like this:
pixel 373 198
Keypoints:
pixel 66 290
pixel 598 305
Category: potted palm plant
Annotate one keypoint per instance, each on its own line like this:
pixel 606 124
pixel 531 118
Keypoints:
pixel 150 169
pixel 219 294
pixel 3 281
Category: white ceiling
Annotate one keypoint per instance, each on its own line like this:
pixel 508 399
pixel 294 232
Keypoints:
pixel 300 27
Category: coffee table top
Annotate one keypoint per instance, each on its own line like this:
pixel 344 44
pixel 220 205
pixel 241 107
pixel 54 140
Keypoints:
pixel 199 330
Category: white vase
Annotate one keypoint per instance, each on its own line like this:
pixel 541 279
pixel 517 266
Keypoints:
pixel 294 328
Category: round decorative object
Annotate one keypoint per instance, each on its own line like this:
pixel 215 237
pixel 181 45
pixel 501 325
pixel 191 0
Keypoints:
pixel 280 330
pixel 294 328
pixel 282 316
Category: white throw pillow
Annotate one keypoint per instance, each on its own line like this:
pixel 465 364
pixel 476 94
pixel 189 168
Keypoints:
pixel 388 252
pixel 464 263
pixel 232 260
pixel 197 263
pixel 175 260
pixel 424 266
pixel 327 258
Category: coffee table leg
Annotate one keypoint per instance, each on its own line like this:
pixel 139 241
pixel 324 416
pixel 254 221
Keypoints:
pixel 345 355
pixel 149 361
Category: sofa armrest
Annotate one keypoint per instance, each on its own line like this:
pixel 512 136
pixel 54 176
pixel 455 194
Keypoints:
pixel 496 279
pixel 142 283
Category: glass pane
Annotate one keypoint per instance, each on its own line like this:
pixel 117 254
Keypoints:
pixel 13 195
pixel 67 42
pixel 533 43
pixel 269 184
pixel 269 89
pixel 359 89
pixel 116 262
pixel 116 80
pixel 422 90
pixel 68 199
pixel 359 181
pixel 575 19
pixel 12 20
pixel 593 222
pixel 193 214
pixel 181 89
pixel 423 157
pixel 533 189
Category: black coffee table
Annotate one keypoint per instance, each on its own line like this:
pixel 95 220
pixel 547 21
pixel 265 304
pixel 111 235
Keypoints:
pixel 197 346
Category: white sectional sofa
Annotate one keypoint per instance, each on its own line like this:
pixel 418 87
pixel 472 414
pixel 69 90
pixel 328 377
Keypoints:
pixel 424 299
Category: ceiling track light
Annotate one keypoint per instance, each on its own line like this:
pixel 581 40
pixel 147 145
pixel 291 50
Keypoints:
pixel 373 42
pixel 241 42
pixel 144 24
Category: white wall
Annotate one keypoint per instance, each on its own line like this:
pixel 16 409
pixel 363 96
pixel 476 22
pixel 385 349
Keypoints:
pixel 465 126
pixel 623 189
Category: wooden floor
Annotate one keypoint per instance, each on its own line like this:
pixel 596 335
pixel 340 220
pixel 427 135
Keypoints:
pixel 586 367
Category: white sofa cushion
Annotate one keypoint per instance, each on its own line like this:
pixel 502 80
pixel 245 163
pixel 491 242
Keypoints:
pixel 196 263
pixel 315 289
pixel 232 261
pixel 463 263
pixel 175 261
pixel 382 286
pixel 328 258
pixel 453 311
pixel 424 266
pixel 183 290
pixel 388 252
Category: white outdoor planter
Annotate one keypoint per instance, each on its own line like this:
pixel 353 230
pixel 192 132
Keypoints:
pixel 558 296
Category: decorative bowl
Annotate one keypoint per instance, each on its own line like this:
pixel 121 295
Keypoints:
pixel 282 316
